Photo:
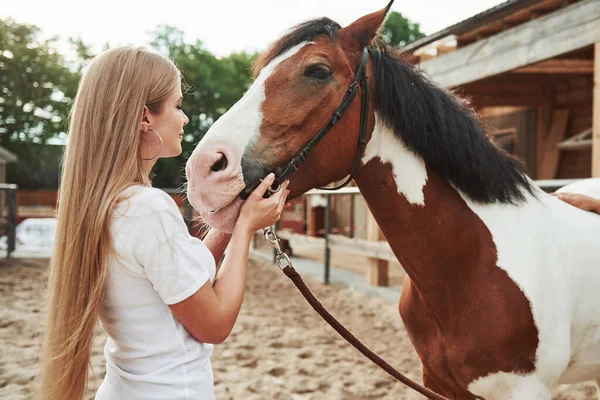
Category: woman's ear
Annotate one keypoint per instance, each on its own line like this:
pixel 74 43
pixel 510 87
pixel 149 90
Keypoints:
pixel 145 124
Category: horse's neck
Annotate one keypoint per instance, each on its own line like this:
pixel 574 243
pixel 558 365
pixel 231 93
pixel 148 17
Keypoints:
pixel 429 226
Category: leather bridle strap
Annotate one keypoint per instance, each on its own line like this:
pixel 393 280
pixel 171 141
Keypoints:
pixel 360 79
pixel 345 333
pixel 362 138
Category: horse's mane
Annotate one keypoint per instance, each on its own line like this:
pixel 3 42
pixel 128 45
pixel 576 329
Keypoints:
pixel 432 122
pixel 444 130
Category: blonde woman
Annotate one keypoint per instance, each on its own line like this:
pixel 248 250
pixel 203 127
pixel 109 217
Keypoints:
pixel 123 254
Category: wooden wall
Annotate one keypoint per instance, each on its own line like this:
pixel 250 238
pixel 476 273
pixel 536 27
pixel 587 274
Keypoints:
pixel 544 95
pixel 576 95
pixel 525 123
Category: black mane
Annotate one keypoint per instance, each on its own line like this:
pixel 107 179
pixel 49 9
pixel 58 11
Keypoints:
pixel 444 131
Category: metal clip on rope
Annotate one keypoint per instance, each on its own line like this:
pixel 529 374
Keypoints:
pixel 282 258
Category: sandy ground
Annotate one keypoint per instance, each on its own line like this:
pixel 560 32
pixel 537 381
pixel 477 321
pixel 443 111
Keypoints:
pixel 279 349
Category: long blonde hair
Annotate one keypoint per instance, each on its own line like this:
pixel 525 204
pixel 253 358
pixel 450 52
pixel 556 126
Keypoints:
pixel 103 158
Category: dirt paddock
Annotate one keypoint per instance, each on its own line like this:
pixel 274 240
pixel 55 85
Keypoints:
pixel 279 349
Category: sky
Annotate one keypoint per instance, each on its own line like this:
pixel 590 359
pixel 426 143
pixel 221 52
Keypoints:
pixel 224 26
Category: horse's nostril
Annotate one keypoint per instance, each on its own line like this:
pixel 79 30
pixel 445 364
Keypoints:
pixel 220 165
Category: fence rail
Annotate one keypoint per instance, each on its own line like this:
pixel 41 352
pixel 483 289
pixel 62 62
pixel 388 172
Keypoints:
pixel 379 250
pixel 9 223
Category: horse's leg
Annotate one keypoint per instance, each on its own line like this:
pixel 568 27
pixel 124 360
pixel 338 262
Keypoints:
pixel 430 344
pixel 431 383
pixel 598 386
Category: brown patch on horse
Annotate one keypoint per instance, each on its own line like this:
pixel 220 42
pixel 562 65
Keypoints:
pixel 308 106
pixel 465 316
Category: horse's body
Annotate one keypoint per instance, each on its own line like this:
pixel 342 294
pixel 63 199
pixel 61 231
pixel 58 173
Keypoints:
pixel 502 299
pixel 492 286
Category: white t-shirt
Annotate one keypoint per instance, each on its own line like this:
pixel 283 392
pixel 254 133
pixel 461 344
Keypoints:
pixel 149 354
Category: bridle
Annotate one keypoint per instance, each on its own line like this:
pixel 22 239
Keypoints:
pixel 360 78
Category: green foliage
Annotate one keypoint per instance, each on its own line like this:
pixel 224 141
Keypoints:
pixel 399 31
pixel 36 88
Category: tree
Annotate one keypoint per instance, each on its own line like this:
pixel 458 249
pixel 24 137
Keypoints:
pixel 36 88
pixel 84 54
pixel 399 31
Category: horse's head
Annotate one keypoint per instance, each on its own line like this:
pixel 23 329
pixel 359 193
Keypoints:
pixel 300 82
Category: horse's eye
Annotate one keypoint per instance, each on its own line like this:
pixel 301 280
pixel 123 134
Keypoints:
pixel 318 71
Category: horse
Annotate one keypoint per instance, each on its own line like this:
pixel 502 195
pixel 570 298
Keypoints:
pixel 501 298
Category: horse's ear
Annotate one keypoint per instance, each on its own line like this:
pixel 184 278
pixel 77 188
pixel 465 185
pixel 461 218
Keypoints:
pixel 362 31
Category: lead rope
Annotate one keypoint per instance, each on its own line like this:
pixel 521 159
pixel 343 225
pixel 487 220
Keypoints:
pixel 285 264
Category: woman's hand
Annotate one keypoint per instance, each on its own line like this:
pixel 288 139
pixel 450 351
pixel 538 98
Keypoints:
pixel 586 203
pixel 258 212
pixel 210 313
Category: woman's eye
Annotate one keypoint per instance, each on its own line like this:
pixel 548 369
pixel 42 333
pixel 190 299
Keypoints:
pixel 318 71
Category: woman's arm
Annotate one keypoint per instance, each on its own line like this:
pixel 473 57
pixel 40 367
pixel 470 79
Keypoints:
pixel 216 241
pixel 210 313
pixel 578 200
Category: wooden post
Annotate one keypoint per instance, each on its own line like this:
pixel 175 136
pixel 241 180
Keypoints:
pixel 352 222
pixel 12 220
pixel 377 269
pixel 327 232
pixel 596 115
pixel 551 156
pixel 310 217
pixel 542 132
pixel 543 127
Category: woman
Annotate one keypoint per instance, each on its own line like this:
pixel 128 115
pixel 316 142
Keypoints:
pixel 123 253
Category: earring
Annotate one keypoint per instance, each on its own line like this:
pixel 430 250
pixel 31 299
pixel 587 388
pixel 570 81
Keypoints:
pixel 161 146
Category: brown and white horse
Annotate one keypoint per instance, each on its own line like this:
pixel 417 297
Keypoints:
pixel 503 300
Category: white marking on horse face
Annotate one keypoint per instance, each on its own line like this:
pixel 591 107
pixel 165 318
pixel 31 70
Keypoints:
pixel 409 169
pixel 242 121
